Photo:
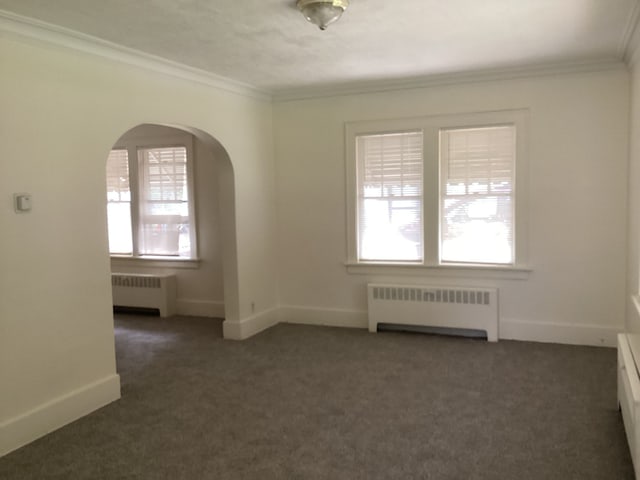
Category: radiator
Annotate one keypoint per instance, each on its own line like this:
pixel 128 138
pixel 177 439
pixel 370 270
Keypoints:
pixel 443 307
pixel 145 291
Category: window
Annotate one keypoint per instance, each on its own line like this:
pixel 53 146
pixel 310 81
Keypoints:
pixel 390 196
pixel 149 201
pixel 438 191
pixel 476 194
pixel 119 203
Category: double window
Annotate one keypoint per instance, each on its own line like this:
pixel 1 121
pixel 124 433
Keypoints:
pixel 150 201
pixel 438 191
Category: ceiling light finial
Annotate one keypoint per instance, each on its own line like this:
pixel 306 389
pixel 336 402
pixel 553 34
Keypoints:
pixel 322 12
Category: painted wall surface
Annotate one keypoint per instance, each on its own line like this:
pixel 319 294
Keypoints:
pixel 578 137
pixel 200 289
pixel 633 262
pixel 61 113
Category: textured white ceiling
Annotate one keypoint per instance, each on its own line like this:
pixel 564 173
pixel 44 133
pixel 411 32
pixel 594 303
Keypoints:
pixel 268 44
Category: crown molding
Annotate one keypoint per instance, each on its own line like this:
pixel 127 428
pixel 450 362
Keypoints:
pixel 355 88
pixel 27 28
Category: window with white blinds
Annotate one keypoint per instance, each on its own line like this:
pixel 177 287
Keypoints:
pixel 119 203
pixel 390 196
pixel 150 211
pixel 438 191
pixel 477 194
pixel 164 201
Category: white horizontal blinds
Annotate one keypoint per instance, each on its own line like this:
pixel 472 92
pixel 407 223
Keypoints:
pixel 119 203
pixel 164 202
pixel 477 194
pixel 389 177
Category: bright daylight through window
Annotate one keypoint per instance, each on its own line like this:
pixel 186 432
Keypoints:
pixel 390 196
pixel 438 193
pixel 476 174
pixel 148 206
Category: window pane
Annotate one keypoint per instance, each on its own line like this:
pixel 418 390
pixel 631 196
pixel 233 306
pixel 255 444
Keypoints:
pixel 119 224
pixel 164 202
pixel 477 170
pixel 390 230
pixel 477 230
pixel 119 203
pixel 390 197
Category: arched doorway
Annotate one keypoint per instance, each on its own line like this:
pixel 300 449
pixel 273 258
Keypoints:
pixel 206 276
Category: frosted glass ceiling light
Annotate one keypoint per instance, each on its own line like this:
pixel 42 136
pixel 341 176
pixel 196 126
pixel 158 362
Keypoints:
pixel 322 12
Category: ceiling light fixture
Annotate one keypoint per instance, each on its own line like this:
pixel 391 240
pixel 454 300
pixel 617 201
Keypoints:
pixel 322 12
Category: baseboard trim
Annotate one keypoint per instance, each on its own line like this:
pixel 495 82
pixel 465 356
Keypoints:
pixel 56 413
pixel 200 308
pixel 329 317
pixel 510 329
pixel 247 327
pixel 567 333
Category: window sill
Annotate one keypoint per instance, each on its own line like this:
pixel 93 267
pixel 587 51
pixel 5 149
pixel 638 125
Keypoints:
pixel 155 262
pixel 460 271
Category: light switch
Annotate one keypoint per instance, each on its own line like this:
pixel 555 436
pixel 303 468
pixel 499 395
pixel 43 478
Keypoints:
pixel 22 202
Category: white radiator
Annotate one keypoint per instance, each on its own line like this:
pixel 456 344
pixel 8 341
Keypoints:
pixel 444 307
pixel 145 291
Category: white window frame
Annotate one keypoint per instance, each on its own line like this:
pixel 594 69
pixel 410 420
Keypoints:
pixel 133 146
pixel 431 127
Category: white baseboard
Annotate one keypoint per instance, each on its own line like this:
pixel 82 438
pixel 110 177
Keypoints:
pixel 567 333
pixel 29 426
pixel 329 317
pixel 547 332
pixel 247 327
pixel 199 308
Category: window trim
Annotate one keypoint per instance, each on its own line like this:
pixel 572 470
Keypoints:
pixel 431 127
pixel 133 146
pixel 127 261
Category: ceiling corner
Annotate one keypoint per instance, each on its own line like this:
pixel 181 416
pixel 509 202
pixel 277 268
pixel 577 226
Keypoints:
pixel 630 39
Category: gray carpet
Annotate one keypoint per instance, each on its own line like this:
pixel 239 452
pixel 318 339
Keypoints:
pixel 301 402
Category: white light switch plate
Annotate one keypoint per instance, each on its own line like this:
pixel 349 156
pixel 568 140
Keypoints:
pixel 22 202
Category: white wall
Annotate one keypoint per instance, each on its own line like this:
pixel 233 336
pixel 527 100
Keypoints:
pixel 633 262
pixel 62 110
pixel 200 288
pixel 578 137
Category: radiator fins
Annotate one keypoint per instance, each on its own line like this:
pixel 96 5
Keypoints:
pixel 135 281
pixel 466 297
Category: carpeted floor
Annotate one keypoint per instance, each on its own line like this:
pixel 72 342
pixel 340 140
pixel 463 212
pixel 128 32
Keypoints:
pixel 301 402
